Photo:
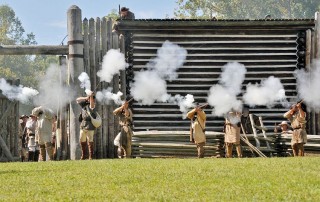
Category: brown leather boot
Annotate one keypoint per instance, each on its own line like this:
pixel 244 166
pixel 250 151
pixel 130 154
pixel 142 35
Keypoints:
pixel 43 154
pixel 90 144
pixel 83 150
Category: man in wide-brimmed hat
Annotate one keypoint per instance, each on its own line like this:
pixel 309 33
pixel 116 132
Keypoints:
pixel 297 116
pixel 44 130
pixel 125 136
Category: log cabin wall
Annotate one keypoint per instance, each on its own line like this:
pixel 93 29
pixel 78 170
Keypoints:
pixel 266 47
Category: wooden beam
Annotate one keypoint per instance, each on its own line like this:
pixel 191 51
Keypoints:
pixel 33 50
pixel 174 24
pixel 5 149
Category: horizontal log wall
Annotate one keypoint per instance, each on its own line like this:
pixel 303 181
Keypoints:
pixel 176 144
pixel 266 48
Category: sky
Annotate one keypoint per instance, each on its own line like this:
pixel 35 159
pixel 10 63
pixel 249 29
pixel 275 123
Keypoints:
pixel 47 19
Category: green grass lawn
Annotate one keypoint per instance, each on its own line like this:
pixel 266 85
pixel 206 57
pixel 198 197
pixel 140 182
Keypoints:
pixel 210 179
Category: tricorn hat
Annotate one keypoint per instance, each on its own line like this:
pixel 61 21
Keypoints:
pixel 124 9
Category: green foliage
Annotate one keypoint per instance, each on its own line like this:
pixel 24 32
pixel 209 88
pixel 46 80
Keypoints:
pixel 246 9
pixel 210 179
pixel 23 67
pixel 114 14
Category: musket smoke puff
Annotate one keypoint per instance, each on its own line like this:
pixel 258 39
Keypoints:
pixel 106 95
pixel 268 93
pixel 19 93
pixel 85 82
pixel 223 96
pixel 113 61
pixel 52 92
pixel 308 84
pixel 184 103
pixel 150 85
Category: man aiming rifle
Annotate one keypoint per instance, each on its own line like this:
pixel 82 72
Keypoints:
pixel 125 136
pixel 197 128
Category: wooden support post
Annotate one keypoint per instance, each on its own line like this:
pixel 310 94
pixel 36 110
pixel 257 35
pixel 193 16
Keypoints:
pixel 115 45
pixel 110 115
pixel 104 110
pixel 254 130
pixel 63 114
pixel 86 45
pixel 5 149
pixel 75 67
pixel 317 57
pixel 123 81
pixel 98 141
pixel 92 58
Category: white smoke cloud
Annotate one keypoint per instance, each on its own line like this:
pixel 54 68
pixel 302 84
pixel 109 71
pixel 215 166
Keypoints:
pixel 106 95
pixel 112 63
pixel 268 93
pixel 150 85
pixel 19 93
pixel 52 93
pixel 170 57
pixel 223 96
pixel 184 103
pixel 308 84
pixel 85 82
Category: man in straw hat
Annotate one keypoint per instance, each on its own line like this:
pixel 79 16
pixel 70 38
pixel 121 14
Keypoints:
pixel 297 116
pixel 284 128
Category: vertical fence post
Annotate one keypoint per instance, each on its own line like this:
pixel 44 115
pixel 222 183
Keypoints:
pixel 98 142
pixel 75 43
pixel 317 57
pixel 104 110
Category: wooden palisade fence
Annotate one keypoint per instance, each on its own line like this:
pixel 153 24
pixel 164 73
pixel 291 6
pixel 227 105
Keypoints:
pixel 89 40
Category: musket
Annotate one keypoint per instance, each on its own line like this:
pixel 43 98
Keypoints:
pixel 203 106
pixel 129 100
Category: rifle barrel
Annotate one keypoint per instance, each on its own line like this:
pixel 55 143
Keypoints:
pixel 204 105
pixel 130 100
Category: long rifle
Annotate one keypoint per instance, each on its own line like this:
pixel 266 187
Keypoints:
pixel 203 106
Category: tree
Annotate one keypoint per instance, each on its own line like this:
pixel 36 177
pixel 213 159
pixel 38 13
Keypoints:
pixel 114 14
pixel 246 9
pixel 23 67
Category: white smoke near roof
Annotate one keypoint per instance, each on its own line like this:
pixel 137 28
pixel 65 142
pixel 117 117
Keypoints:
pixel 170 57
pixel 19 93
pixel 308 84
pixel 113 61
pixel 106 95
pixel 85 82
pixel 268 93
pixel 150 85
pixel 184 103
pixel 52 93
pixel 223 96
